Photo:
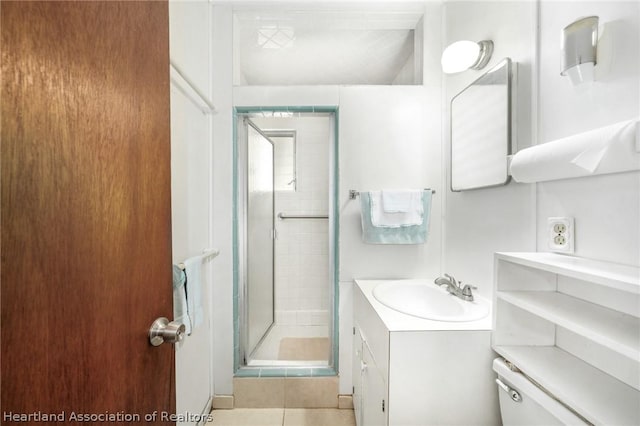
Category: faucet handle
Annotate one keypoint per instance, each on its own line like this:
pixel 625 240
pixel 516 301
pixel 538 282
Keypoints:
pixel 466 290
pixel 453 280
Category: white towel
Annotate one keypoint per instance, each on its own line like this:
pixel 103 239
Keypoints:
pixel 180 307
pixel 192 269
pixel 381 219
pixel 401 201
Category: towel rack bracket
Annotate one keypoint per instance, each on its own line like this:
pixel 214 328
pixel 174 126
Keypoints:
pixel 353 193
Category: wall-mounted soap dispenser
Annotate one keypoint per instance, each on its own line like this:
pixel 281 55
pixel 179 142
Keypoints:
pixel 579 49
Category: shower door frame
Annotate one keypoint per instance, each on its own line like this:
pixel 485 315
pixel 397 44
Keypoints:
pixel 239 250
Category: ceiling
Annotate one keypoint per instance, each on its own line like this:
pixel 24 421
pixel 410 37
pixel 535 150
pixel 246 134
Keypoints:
pixel 294 46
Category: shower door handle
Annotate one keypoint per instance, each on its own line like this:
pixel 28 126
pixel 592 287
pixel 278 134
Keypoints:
pixel 162 331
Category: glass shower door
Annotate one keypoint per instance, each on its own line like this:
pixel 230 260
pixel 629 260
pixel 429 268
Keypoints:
pixel 260 236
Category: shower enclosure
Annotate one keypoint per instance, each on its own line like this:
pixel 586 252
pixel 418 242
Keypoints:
pixel 286 231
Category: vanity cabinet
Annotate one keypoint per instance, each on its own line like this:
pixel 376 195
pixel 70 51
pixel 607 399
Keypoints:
pixel 369 386
pixel 374 391
pixel 411 371
pixel 356 368
pixel 370 394
pixel 573 326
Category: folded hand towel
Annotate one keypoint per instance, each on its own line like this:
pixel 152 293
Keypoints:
pixel 192 269
pixel 401 201
pixel 415 234
pixel 395 220
pixel 180 308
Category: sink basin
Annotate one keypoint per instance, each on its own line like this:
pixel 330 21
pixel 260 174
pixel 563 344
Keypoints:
pixel 424 299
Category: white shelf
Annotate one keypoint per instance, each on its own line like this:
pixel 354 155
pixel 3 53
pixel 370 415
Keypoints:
pixel 597 396
pixel 596 371
pixel 620 277
pixel 617 331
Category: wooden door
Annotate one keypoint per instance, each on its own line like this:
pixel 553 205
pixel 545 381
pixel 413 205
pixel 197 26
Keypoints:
pixel 86 217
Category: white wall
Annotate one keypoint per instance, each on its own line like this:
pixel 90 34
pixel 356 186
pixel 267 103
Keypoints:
pixel 191 190
pixel 222 87
pixel 480 222
pixel 389 138
pixel 190 39
pixel 606 208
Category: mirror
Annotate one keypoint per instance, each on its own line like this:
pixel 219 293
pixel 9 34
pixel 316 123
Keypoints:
pixel 481 130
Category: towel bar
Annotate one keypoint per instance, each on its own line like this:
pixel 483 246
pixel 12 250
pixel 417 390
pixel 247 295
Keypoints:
pixel 206 254
pixel 302 216
pixel 353 193
pixel 209 109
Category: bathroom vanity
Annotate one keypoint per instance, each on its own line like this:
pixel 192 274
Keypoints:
pixel 413 371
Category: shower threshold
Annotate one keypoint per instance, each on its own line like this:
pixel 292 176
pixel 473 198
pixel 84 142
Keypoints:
pixel 286 363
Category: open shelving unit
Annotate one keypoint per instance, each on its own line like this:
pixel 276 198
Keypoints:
pixel 573 326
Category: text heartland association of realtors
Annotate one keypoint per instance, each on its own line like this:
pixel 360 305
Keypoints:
pixel 121 416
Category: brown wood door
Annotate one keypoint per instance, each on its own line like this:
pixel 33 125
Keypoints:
pixel 86 216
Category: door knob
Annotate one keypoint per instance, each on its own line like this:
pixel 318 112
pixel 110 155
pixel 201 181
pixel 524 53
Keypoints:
pixel 162 331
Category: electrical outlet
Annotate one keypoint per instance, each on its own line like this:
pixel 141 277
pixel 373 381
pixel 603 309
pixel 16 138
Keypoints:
pixel 561 234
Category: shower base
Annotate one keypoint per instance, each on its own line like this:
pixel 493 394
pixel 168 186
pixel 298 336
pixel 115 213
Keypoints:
pixel 298 342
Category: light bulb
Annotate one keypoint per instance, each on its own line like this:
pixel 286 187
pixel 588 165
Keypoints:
pixel 459 56
pixel 463 55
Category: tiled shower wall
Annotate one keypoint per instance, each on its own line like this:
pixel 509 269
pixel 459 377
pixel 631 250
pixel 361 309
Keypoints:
pixel 302 289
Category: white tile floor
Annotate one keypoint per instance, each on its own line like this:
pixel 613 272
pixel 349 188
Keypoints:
pixel 283 417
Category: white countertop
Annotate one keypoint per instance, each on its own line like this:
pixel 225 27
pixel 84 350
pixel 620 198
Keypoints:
pixel 398 321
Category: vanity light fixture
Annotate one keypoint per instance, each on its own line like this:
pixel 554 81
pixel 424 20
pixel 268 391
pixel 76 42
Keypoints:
pixel 463 55
pixel 579 49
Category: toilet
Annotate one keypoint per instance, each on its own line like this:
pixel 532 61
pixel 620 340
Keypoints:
pixel 523 403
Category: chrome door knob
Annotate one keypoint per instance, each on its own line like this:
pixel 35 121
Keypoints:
pixel 162 331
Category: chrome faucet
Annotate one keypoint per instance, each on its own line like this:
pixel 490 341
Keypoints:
pixel 449 281
pixel 454 287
